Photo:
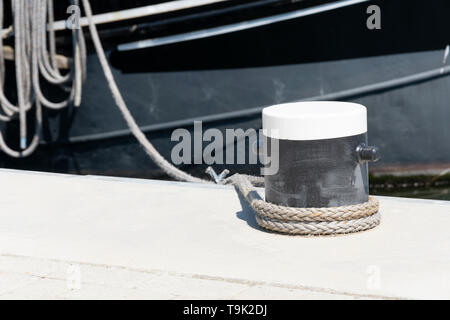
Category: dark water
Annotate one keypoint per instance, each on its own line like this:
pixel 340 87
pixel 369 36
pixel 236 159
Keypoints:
pixel 422 193
pixel 436 187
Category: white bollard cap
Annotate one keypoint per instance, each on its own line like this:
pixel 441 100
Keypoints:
pixel 314 120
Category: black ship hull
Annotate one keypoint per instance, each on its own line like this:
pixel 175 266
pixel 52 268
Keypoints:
pixel 224 79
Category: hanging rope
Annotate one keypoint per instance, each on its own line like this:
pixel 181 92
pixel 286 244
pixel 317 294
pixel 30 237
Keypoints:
pixel 159 160
pixel 35 61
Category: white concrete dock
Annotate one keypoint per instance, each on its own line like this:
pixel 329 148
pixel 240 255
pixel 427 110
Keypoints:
pixel 75 237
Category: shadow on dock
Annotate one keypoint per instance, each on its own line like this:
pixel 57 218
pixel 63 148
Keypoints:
pixel 247 214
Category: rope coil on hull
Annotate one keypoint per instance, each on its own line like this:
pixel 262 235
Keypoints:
pixel 35 61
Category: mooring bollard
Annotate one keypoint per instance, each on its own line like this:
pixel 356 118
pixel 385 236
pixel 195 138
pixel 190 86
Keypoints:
pixel 323 154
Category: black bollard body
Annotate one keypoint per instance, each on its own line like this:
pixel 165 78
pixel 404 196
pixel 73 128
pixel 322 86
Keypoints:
pixel 322 154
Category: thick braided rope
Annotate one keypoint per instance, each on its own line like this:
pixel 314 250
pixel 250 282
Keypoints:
pixel 157 158
pixel 319 228
pixel 271 211
pixel 307 221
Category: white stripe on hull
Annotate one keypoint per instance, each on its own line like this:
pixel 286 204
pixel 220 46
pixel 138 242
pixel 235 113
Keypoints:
pixel 141 12
pixel 205 33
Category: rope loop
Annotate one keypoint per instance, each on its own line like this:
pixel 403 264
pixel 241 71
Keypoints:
pixel 306 221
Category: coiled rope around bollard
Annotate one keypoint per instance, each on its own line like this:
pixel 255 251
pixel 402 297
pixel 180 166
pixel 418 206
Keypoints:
pixel 307 221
